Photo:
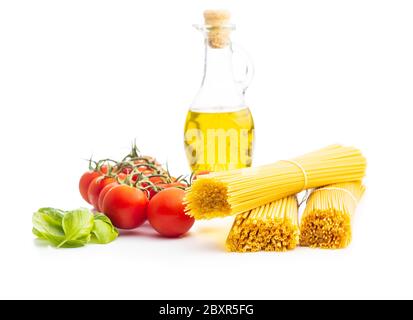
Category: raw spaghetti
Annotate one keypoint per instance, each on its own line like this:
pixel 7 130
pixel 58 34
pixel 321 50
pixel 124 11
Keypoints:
pixel 326 221
pixel 272 227
pixel 225 193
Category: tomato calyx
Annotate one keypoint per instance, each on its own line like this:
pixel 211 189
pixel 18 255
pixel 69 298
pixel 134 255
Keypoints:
pixel 134 153
pixel 104 166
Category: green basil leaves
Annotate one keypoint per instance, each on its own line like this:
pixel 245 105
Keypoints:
pixel 72 229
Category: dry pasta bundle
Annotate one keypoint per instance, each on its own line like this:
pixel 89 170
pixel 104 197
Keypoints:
pixel 272 227
pixel 224 193
pixel 326 221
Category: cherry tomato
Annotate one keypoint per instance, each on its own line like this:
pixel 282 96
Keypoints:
pixel 166 213
pixel 127 170
pixel 96 187
pixel 200 173
pixel 122 176
pixel 125 206
pixel 149 188
pixel 145 160
pixel 103 194
pixel 156 180
pixel 84 183
pixel 142 168
pixel 160 184
pixel 104 169
pixel 176 184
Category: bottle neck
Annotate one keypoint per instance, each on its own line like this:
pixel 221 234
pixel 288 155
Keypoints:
pixel 217 66
pixel 218 92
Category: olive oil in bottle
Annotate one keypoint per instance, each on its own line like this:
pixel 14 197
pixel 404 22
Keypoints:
pixel 219 141
pixel 219 128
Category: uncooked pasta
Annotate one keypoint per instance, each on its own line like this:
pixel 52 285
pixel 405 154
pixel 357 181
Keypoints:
pixel 225 193
pixel 272 227
pixel 326 221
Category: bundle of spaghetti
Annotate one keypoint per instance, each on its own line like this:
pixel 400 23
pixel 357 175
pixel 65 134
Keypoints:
pixel 224 193
pixel 272 227
pixel 326 221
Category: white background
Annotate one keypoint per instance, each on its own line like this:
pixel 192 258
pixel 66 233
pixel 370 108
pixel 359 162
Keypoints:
pixel 86 77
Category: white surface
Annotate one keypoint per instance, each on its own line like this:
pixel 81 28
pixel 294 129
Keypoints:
pixel 87 77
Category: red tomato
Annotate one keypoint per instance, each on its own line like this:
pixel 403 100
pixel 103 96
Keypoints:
pixel 166 213
pixel 145 160
pixel 84 183
pixel 200 173
pixel 96 187
pixel 147 172
pixel 125 206
pixel 122 176
pixel 127 170
pixel 156 180
pixel 172 184
pixel 104 169
pixel 103 194
pixel 149 188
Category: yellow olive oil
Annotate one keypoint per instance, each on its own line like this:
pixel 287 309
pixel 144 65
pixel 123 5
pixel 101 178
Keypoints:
pixel 219 141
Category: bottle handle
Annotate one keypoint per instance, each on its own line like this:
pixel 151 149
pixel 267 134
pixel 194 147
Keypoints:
pixel 247 69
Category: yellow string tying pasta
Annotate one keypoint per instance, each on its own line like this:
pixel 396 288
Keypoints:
pixel 326 221
pixel 272 227
pixel 224 193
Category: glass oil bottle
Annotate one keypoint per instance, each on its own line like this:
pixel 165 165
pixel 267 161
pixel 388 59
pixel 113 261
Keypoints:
pixel 219 128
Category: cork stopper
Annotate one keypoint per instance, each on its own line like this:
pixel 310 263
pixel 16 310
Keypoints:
pixel 217 22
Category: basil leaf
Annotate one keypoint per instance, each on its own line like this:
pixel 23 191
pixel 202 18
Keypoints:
pixel 72 229
pixel 46 225
pixel 52 216
pixel 37 233
pixel 77 225
pixel 103 231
